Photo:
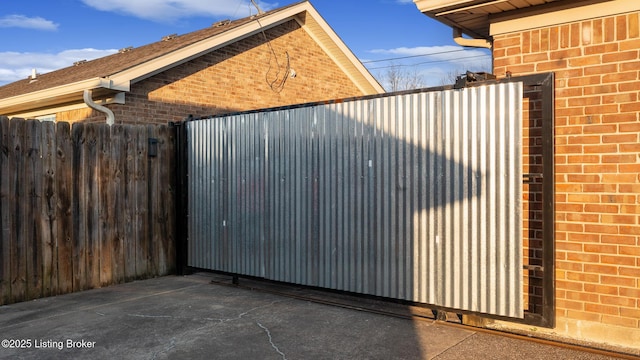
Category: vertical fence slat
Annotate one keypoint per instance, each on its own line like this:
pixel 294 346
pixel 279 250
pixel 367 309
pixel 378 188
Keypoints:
pixel 64 207
pixel 79 207
pixel 140 186
pixel 165 217
pixel 48 211
pixel 105 242
pixel 153 210
pixel 130 237
pixel 117 204
pixel 5 214
pixel 17 204
pixel 33 191
pixel 93 206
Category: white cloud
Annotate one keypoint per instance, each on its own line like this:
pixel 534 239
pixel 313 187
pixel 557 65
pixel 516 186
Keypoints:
pixel 25 22
pixel 16 65
pixel 170 10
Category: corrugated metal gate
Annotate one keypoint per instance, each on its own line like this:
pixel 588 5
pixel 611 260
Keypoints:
pixel 413 196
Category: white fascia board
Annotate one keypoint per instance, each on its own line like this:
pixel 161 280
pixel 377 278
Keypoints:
pixel 438 5
pixel 506 24
pixel 118 98
pixel 48 96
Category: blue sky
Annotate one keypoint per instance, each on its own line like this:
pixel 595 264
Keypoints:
pixel 48 35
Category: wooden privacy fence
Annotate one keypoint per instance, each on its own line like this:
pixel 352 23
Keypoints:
pixel 83 206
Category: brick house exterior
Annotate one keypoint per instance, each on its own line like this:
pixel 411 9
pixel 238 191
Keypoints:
pixel 593 49
pixel 597 157
pixel 285 56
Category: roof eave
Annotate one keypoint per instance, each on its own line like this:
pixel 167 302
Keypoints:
pixel 433 6
pixel 55 96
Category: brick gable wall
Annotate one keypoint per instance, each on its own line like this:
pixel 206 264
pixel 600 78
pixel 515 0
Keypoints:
pixel 597 146
pixel 235 78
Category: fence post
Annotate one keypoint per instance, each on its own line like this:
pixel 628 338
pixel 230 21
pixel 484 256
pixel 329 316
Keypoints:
pixel 181 199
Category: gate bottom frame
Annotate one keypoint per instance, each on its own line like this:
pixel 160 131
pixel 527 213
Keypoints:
pixel 545 318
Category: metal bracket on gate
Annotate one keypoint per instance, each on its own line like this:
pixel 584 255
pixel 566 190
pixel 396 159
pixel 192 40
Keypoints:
pixel 473 78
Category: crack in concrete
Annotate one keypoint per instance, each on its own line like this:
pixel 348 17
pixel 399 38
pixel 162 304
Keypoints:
pixel 171 345
pixel 274 346
pixel 151 316
pixel 239 316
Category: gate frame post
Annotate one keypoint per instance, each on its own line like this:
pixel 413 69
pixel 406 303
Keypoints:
pixel 181 196
pixel 546 82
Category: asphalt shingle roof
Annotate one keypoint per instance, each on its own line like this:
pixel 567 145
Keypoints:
pixel 115 63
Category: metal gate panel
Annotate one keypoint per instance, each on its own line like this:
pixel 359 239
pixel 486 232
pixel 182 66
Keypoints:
pixel 413 196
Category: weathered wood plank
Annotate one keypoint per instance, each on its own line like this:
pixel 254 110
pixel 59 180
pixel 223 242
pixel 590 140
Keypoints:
pixel 79 207
pixel 17 200
pixel 130 209
pixel 153 210
pixel 142 220
pixel 32 230
pixel 168 194
pixel 64 210
pixel 163 229
pixel 83 206
pixel 105 176
pixel 92 205
pixel 48 210
pixel 116 203
pixel 5 212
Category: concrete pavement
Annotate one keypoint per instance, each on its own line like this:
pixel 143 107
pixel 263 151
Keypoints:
pixel 189 317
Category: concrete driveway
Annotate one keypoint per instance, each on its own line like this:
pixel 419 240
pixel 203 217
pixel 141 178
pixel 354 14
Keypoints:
pixel 189 317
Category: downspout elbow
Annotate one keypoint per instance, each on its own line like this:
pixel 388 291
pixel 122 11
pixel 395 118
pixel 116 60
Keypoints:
pixel 90 103
pixel 477 43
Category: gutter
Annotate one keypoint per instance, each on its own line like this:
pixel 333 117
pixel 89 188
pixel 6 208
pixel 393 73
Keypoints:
pixel 55 96
pixel 477 43
pixel 86 96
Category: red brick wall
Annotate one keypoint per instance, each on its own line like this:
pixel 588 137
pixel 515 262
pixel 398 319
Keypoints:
pixel 597 145
pixel 237 78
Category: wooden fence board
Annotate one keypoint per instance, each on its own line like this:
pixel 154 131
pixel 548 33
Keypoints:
pixel 140 184
pixel 105 176
pixel 152 203
pixel 92 206
pixel 79 203
pixel 83 206
pixel 32 214
pixel 48 210
pixel 163 206
pixel 116 203
pixel 5 231
pixel 168 197
pixel 17 198
pixel 64 207
pixel 130 209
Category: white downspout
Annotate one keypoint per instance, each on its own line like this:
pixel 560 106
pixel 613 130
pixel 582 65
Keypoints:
pixel 478 43
pixel 90 103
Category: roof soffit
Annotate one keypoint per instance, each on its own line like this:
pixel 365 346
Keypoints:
pixel 477 17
